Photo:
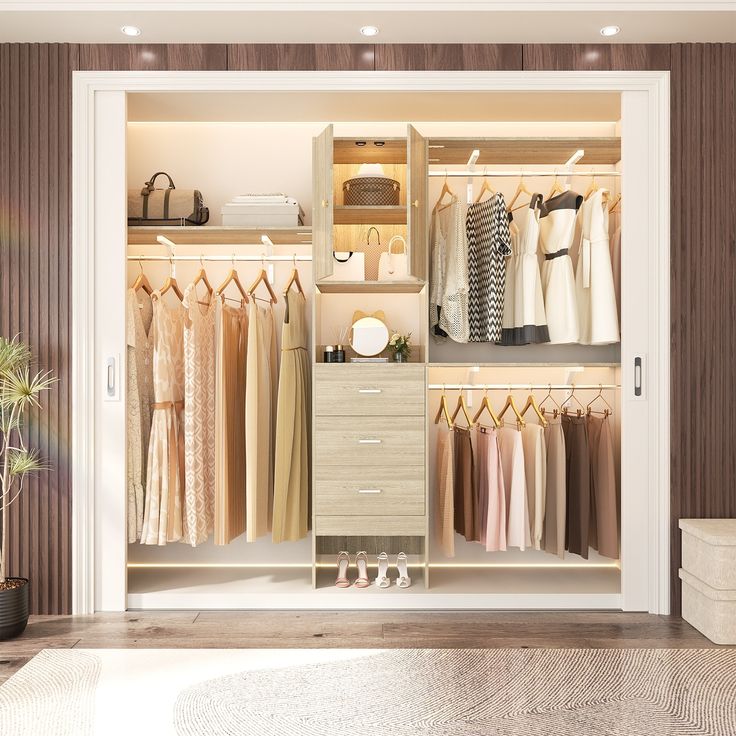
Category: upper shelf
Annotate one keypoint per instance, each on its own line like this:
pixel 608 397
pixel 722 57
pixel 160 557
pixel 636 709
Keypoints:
pixel 211 235
pixel 369 150
pixel 555 151
pixel 376 215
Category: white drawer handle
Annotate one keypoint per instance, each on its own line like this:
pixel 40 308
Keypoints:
pixel 369 490
pixel 369 442
pixel 369 390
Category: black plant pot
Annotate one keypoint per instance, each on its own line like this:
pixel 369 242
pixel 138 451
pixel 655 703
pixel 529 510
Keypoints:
pixel 14 610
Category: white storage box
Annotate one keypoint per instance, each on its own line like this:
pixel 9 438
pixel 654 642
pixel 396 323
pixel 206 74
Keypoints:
pixel 260 213
pixel 710 611
pixel 709 551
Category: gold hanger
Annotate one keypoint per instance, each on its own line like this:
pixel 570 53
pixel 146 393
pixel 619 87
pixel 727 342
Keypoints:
pixel 294 279
pixel 233 278
pixel 443 412
pixel 520 189
pixel 607 411
pixel 510 403
pixel 557 188
pixel 593 186
pixel 485 404
pixel 445 190
pixel 531 403
pixel 461 405
pixel 572 396
pixel 171 283
pixel 142 282
pixel 262 278
pixel 485 187
pixel 557 409
pixel 616 204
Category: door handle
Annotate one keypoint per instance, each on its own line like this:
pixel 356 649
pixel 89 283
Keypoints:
pixel 369 490
pixel 369 390
pixel 369 442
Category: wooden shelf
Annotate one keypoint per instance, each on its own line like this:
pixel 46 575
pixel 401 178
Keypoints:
pixel 361 287
pixel 393 151
pixel 379 215
pixel 204 235
pixel 555 151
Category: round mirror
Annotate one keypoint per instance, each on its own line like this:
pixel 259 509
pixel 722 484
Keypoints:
pixel 369 336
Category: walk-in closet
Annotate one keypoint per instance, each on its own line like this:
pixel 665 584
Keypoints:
pixel 501 456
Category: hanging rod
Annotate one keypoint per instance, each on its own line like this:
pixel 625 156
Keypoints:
pixel 527 174
pixel 228 259
pixel 521 386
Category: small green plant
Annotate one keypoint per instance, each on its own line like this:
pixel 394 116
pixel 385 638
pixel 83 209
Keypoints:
pixel 399 345
pixel 20 393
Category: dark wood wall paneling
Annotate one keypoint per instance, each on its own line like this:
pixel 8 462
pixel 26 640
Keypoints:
pixel 35 226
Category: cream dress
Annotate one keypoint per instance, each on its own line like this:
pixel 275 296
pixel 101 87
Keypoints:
pixel 162 518
pixel 291 465
pixel 199 417
pixel 139 315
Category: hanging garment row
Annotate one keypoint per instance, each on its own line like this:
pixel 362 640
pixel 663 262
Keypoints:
pixel 487 283
pixel 549 485
pixel 217 444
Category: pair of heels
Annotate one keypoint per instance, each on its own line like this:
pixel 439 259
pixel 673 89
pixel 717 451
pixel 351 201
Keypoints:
pixel 361 562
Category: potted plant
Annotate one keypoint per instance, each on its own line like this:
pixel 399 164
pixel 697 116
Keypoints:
pixel 20 392
pixel 400 347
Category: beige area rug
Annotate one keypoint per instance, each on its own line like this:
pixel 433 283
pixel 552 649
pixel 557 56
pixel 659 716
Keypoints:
pixel 409 692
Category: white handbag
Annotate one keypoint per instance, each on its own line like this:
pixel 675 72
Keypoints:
pixel 348 266
pixel 394 266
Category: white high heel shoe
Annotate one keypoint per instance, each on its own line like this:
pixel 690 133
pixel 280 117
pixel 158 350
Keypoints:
pixel 382 579
pixel 403 581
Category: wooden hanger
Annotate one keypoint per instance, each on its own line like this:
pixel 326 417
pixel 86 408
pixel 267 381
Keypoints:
pixel 485 187
pixel 486 405
pixel 233 278
pixel 557 188
pixel 616 204
pixel 520 189
pixel 171 283
pixel 510 403
pixel 201 277
pixel 572 396
pixel 557 410
pixel 607 411
pixel 531 403
pixel 443 412
pixel 461 405
pixel 262 278
pixel 294 280
pixel 142 282
pixel 593 186
pixel 445 190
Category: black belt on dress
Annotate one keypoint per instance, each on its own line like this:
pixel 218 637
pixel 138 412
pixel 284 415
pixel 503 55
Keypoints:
pixel 558 254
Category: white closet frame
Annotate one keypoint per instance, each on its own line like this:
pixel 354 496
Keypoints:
pixel 99 244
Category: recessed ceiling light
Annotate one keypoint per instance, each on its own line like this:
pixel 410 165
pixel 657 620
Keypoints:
pixel 610 30
pixel 369 30
pixel 131 30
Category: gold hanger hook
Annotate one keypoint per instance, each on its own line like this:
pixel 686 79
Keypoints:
pixel 140 265
pixel 201 260
pixel 232 260
pixel 294 260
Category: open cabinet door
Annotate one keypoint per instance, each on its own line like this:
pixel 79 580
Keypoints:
pixel 417 162
pixel 322 204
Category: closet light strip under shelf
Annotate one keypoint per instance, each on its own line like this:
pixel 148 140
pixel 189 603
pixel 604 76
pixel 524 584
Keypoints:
pixel 526 173
pixel 522 386
pixel 308 566
pixel 228 259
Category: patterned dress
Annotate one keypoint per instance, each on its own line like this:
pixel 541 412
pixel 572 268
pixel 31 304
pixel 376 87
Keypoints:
pixel 489 244
pixel 199 417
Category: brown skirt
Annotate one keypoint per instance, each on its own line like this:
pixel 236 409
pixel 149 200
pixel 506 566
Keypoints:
pixel 578 484
pixel 466 501
pixel 603 501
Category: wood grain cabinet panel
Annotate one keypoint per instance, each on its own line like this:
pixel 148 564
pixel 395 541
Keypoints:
pixel 596 57
pixel 153 57
pixel 448 57
pixel 300 57
pixel 351 526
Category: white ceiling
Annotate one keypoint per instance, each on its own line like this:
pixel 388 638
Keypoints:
pixel 330 21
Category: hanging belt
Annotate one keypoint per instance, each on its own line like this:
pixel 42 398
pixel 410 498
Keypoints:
pixel 558 254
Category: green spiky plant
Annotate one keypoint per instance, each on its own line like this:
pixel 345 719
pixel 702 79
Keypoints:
pixel 20 393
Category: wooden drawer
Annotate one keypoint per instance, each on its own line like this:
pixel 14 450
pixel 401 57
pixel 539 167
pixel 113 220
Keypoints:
pixel 369 390
pixel 369 441
pixel 355 526
pixel 340 491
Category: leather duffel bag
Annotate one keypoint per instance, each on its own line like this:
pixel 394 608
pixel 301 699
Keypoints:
pixel 170 206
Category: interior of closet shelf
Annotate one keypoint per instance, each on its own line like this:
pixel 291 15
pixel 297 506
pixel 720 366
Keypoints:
pixel 233 143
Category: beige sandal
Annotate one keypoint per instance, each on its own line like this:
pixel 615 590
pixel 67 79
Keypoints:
pixel 361 561
pixel 343 562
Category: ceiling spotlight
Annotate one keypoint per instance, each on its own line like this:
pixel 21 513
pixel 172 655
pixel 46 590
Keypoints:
pixel 610 30
pixel 369 30
pixel 131 30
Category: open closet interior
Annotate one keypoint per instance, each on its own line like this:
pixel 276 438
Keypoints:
pixel 338 222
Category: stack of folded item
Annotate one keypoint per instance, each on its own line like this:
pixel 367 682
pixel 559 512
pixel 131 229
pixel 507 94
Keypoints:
pixel 262 210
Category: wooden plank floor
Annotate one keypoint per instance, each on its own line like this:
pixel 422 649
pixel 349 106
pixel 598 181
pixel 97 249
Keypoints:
pixel 347 629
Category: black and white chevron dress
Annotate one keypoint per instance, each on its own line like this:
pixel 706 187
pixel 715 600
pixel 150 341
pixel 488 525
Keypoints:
pixel 489 244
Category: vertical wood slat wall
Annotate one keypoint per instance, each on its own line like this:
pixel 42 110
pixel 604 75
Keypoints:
pixel 35 243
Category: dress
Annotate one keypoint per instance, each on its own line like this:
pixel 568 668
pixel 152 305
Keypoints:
pixel 260 406
pixel 489 245
pixel 291 464
pixel 162 517
pixel 514 480
pixel 535 471
pixel 507 326
pixel 556 500
pixel 556 232
pixel 231 336
pixel 529 322
pixel 604 502
pixel 596 294
pixel 199 417
pixel 445 508
pixel 490 478
pixel 448 300
pixel 138 318
pixel 615 226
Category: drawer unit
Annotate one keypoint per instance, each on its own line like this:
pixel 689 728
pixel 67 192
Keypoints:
pixel 369 390
pixel 341 491
pixel 369 441
pixel 382 526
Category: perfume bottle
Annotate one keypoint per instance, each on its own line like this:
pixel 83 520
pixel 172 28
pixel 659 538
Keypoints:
pixel 329 355
pixel 338 356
